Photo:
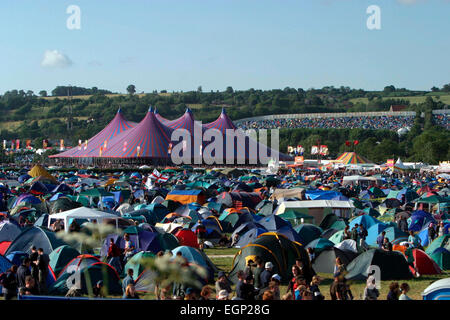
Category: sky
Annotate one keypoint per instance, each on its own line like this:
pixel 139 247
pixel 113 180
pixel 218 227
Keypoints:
pixel 179 45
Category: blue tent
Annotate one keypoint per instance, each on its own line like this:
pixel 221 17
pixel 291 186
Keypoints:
pixel 419 219
pixel 373 233
pixel 63 188
pixel 366 220
pixel 320 245
pixel 250 236
pixel 324 195
pixel 16 257
pixel 273 222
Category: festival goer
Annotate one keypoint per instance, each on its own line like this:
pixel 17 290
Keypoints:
pixel 222 282
pixel 404 288
pixel 9 283
pixel 130 292
pixel 394 291
pixel 42 264
pixel 370 291
pixel 127 281
pixel 267 274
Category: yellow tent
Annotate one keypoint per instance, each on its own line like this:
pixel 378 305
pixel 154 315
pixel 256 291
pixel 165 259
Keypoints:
pixel 38 171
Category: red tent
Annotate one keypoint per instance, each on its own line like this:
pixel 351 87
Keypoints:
pixel 4 246
pixel 424 263
pixel 187 237
pixel 102 139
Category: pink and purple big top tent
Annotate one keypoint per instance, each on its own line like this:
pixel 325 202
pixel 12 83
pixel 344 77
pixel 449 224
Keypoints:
pixel 148 139
pixel 117 126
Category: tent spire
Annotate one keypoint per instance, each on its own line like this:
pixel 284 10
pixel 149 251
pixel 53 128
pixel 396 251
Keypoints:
pixel 150 109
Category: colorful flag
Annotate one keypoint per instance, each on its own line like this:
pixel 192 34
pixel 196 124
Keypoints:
pixel 324 150
pixel 300 150
pixel 290 149
pixel 390 162
pixel 158 176
pixel 61 144
pixel 85 144
pixel 348 143
pixel 4 144
pixel 28 144
pixel 17 144
pixel 314 150
pixel 79 144
pixel 105 144
pixel 100 151
pixel 44 143
pixel 355 142
pixel 169 149
pixel 138 150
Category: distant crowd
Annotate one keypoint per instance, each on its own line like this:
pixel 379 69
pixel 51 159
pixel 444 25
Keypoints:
pixel 374 123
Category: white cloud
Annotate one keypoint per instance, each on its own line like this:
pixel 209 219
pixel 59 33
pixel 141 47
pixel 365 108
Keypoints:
pixel 55 59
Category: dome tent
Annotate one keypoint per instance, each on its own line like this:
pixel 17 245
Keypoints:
pixel 272 247
pixel 392 264
pixel 39 237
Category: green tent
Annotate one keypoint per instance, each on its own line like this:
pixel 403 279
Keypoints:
pixel 229 220
pixel 372 212
pixel 392 264
pixel 61 256
pixel 83 200
pixel 440 242
pixel 442 257
pixel 377 192
pixel 96 192
pixel 308 232
pixel 135 263
pixel 90 275
pixel 338 237
pixel 63 204
pixel 338 225
pixel 272 247
pixel 295 216
pixel 167 241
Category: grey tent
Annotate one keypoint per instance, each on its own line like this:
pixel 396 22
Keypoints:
pixel 392 264
pixel 39 237
pixel 326 260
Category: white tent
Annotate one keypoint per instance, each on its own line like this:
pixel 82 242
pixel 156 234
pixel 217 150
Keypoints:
pixel 82 213
pixel 348 244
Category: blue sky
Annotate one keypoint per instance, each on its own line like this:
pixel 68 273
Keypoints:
pixel 261 44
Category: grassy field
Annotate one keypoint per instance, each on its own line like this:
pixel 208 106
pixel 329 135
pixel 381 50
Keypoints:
pixel 357 287
pixel 12 125
pixel 412 99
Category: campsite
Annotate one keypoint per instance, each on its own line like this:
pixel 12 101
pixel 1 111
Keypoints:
pixel 78 217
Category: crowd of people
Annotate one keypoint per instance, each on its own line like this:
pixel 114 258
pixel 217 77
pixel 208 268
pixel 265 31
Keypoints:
pixel 373 123
pixel 364 122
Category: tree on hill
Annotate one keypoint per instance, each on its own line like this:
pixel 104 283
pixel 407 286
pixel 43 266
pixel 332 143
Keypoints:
pixel 43 93
pixel 131 89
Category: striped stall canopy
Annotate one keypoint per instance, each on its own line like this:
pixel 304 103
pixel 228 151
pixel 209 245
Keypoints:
pixel 351 158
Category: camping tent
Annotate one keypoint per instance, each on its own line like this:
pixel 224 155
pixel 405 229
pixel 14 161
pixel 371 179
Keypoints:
pixel 61 256
pixel 326 260
pixel 35 236
pixel 270 247
pixel 392 264
pixel 187 196
pixel 38 171
pixel 82 213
